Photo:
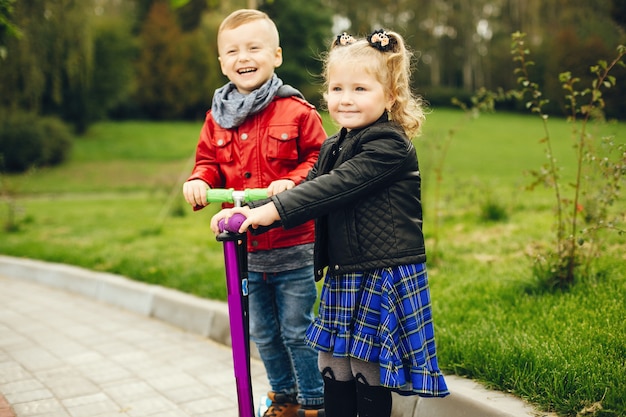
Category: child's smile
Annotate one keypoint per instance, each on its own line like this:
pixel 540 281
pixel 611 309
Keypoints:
pixel 355 98
pixel 248 55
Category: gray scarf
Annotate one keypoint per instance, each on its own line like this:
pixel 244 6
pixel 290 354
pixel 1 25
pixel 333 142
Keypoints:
pixel 230 108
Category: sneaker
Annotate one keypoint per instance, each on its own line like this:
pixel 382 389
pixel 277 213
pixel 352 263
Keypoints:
pixel 283 405
pixel 305 412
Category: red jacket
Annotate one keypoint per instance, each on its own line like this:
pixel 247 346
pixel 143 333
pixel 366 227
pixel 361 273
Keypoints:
pixel 280 142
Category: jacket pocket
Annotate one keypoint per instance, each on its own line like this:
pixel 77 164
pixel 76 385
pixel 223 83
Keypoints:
pixel 283 142
pixel 223 143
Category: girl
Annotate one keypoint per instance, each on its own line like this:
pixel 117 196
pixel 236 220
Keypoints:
pixel 374 329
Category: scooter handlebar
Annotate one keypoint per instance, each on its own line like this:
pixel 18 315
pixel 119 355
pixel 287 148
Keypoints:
pixel 230 195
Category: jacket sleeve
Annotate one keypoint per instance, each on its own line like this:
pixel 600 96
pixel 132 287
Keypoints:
pixel 311 137
pixel 381 159
pixel 206 168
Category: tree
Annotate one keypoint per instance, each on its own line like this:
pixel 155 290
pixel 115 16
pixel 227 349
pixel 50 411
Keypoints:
pixel 305 32
pixel 161 71
pixel 190 12
pixel 7 26
pixel 463 45
pixel 69 62
pixel 618 13
pixel 159 67
pixel 53 58
pixel 113 73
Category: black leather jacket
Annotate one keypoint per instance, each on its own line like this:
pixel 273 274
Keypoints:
pixel 364 194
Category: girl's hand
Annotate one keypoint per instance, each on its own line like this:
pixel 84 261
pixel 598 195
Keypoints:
pixel 226 214
pixel 264 215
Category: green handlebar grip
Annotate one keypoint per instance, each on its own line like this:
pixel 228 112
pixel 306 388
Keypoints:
pixel 228 195
pixel 219 195
pixel 253 194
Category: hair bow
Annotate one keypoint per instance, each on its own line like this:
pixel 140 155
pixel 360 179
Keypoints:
pixel 381 41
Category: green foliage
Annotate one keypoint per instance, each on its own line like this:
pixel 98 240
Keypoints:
pixel 570 52
pixel 464 45
pixel 56 141
pixel 493 211
pixel 173 68
pixel 178 3
pixel 19 143
pixel 113 73
pixel 74 59
pixel 490 210
pixel 69 62
pixel 598 174
pixel 27 141
pixel 116 206
pixel 190 13
pixel 7 26
pixel 160 66
pixel 573 252
pixel 202 74
pixel 305 32
pixel 562 350
pixel 443 96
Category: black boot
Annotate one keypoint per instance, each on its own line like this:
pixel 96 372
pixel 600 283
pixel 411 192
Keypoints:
pixel 372 401
pixel 339 396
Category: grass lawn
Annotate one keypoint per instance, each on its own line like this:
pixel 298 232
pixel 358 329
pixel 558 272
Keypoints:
pixel 117 206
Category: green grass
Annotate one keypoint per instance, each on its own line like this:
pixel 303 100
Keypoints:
pixel 116 206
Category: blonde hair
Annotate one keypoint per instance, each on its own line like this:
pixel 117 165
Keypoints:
pixel 391 67
pixel 243 16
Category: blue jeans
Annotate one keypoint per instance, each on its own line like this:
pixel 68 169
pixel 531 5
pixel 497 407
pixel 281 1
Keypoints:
pixel 281 307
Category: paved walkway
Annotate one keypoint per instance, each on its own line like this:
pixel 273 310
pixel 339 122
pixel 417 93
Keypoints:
pixel 77 343
pixel 65 355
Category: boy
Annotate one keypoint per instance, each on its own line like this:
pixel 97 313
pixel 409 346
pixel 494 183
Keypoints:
pixel 260 133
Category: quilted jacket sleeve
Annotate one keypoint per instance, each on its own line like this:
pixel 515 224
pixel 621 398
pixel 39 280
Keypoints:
pixel 375 159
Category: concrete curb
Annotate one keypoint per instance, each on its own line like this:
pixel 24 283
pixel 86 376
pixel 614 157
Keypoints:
pixel 209 318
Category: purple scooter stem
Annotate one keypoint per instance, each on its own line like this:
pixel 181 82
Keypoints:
pixel 235 263
pixel 236 267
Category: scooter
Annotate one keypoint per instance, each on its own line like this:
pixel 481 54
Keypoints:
pixel 236 267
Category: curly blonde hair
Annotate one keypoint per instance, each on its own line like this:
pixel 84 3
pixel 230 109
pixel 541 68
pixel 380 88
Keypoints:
pixel 391 67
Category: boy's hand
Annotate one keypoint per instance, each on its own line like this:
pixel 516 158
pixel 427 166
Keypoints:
pixel 195 193
pixel 279 186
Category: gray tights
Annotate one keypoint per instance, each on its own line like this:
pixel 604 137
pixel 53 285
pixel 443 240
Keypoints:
pixel 347 369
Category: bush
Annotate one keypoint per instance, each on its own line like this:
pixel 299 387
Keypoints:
pixel 28 140
pixel 56 142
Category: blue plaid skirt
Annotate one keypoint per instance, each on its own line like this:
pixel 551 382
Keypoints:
pixel 385 316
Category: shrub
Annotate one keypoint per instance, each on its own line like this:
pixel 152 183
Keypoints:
pixel 28 140
pixel 576 245
pixel 56 142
